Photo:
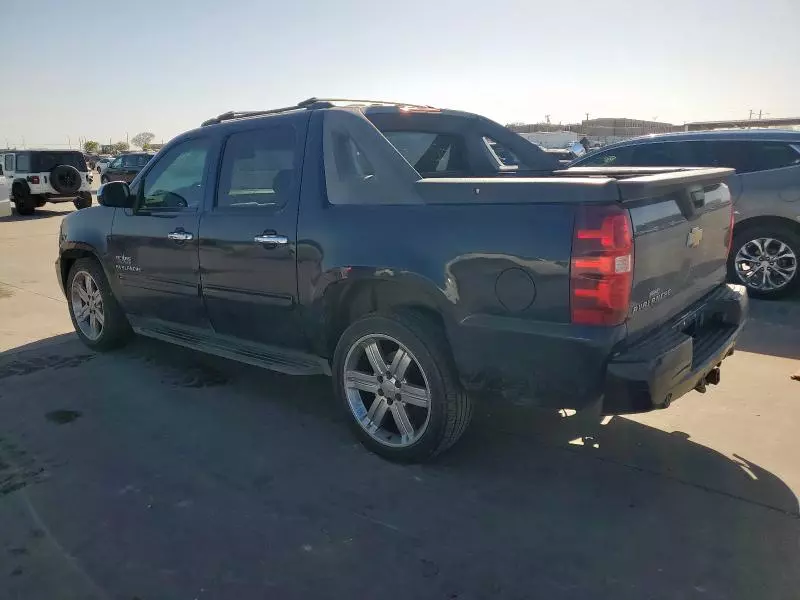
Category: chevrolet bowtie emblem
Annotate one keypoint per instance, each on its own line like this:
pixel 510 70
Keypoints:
pixel 695 236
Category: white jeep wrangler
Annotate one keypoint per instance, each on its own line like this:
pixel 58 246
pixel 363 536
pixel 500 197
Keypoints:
pixel 40 176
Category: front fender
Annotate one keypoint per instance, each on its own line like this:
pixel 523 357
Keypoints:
pixel 86 233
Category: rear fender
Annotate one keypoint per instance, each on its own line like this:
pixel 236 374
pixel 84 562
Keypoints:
pixel 345 294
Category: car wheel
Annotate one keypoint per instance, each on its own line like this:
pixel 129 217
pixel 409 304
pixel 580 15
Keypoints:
pixel 96 315
pixel 23 201
pixel 396 379
pixel 765 259
pixel 83 201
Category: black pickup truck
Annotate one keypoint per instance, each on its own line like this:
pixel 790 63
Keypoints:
pixel 422 257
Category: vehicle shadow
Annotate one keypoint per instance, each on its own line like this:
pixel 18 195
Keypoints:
pixel 39 213
pixel 773 328
pixel 513 511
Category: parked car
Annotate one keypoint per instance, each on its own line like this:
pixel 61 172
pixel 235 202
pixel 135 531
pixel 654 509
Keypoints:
pixel 125 167
pixel 388 246
pixel 40 176
pixel 5 195
pixel 102 163
pixel 765 191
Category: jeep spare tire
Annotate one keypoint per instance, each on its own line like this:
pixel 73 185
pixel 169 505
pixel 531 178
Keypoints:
pixel 65 179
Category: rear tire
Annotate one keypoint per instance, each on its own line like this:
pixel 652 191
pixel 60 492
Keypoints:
pixel 23 201
pixel 748 240
pixel 114 329
pixel 449 409
pixel 83 201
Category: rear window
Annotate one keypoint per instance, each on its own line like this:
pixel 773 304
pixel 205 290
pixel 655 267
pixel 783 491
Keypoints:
pixel 431 154
pixel 47 161
pixel 747 157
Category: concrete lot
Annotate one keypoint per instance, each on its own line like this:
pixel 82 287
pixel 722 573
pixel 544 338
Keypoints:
pixel 155 472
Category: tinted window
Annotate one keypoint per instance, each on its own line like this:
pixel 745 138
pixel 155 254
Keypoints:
pixel 258 168
pixel 747 157
pixel 47 161
pixel 615 157
pixel 23 163
pixel 135 161
pixel 9 162
pixel 431 154
pixel 177 180
pixel 658 155
pixel 501 154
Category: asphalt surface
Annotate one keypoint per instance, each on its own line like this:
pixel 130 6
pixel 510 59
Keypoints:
pixel 155 472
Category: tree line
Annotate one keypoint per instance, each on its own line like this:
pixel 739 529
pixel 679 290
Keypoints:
pixel 140 140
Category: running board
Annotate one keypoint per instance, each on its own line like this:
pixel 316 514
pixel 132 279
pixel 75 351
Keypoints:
pixel 274 358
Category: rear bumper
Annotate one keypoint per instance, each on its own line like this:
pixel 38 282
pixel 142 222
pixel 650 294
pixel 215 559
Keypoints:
pixel 559 365
pixel 55 197
pixel 678 357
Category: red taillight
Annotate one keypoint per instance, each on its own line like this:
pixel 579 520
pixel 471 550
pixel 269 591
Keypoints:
pixel 601 272
pixel 33 179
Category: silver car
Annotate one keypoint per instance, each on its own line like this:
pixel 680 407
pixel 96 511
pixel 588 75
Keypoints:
pixel 765 189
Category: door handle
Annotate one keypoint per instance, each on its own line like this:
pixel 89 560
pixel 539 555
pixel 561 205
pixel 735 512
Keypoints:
pixel 179 235
pixel 271 239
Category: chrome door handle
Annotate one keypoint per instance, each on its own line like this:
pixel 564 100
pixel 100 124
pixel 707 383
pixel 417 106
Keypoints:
pixel 180 236
pixel 271 238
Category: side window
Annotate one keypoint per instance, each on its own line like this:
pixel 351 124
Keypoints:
pixel 116 163
pixel 432 154
pixel 23 163
pixel 259 168
pixel 9 163
pixel 177 180
pixel 748 157
pixel 657 155
pixel 501 154
pixel 614 157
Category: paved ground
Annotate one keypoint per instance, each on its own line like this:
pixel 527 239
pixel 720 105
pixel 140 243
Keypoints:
pixel 154 472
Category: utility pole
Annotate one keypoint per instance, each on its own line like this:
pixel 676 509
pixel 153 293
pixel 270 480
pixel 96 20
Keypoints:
pixel 759 114
pixel 751 115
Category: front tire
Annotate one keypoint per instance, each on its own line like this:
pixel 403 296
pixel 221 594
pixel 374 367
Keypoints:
pixel 83 201
pixel 96 315
pixel 397 382
pixel 764 258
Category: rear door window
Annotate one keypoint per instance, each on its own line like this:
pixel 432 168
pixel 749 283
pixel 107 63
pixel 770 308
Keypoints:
pixel 259 168
pixel 47 161
pixel 432 154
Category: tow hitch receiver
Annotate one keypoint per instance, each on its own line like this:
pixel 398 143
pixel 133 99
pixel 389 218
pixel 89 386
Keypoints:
pixel 711 378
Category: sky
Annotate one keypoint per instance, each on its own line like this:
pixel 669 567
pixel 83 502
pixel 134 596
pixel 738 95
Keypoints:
pixel 100 70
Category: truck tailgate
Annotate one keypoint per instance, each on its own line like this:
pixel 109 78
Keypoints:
pixel 682 224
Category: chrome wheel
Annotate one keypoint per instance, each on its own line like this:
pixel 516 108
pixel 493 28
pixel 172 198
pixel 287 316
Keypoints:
pixel 387 390
pixel 766 264
pixel 87 305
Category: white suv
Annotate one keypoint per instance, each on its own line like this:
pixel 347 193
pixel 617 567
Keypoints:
pixel 40 176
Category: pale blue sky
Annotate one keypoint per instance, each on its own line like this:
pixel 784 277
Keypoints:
pixel 99 69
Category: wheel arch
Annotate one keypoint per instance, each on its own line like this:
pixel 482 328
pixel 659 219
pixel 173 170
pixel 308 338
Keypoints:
pixel 348 300
pixel 767 221
pixel 70 255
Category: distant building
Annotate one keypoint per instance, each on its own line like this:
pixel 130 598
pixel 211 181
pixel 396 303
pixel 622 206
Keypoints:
pixel 599 131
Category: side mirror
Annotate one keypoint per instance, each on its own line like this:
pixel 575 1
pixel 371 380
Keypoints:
pixel 577 149
pixel 116 194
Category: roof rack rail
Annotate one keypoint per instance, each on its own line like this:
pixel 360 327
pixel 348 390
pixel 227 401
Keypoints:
pixel 308 104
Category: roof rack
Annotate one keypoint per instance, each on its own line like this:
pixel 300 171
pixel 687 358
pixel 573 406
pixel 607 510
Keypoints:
pixel 309 104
